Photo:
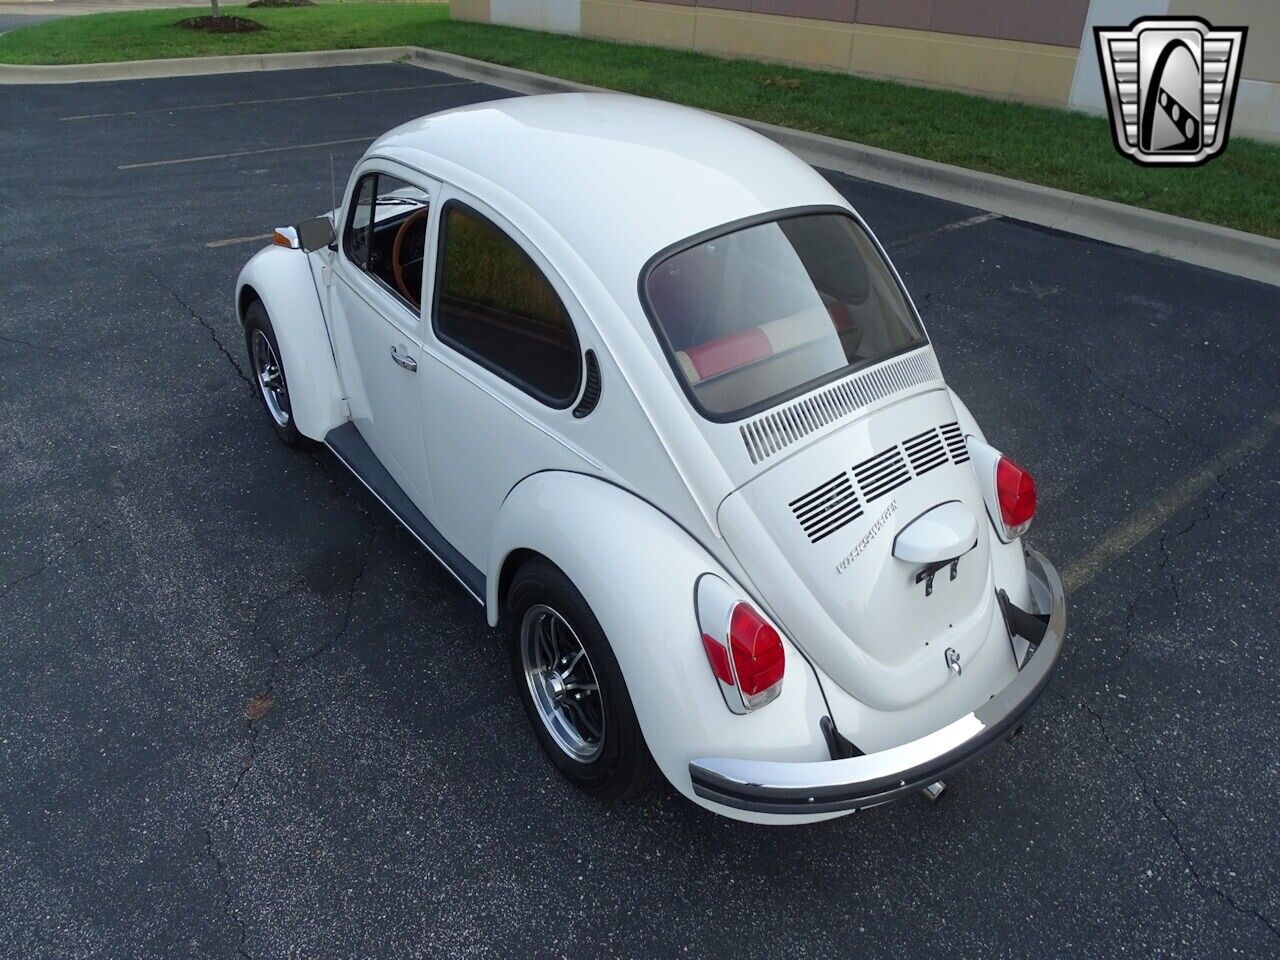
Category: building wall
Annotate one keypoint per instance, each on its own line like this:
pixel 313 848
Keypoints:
pixel 1040 51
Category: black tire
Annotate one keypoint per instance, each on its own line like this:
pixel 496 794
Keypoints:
pixel 624 766
pixel 256 321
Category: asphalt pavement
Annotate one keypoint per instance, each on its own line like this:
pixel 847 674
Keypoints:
pixel 168 569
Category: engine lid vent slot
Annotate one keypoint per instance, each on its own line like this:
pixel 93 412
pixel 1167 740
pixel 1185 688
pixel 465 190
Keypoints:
pixel 881 474
pixel 954 440
pixel 827 507
pixel 768 434
pixel 925 451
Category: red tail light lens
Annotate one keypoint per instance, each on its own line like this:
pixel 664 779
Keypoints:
pixel 718 657
pixel 744 651
pixel 1016 491
pixel 758 659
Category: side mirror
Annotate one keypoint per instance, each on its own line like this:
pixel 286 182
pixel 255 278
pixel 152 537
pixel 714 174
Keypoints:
pixel 316 233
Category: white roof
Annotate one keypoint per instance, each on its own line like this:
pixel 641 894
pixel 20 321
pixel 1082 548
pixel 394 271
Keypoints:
pixel 602 182
pixel 617 177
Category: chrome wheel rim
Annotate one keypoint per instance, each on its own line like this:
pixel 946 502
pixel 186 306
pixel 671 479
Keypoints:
pixel 562 683
pixel 270 374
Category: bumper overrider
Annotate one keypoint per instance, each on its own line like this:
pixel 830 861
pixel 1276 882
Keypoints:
pixel 827 786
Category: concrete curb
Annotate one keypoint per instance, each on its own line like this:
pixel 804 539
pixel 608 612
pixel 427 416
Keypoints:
pixel 1190 241
pixel 11 73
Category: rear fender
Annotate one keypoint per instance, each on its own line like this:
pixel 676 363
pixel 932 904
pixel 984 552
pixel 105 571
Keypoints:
pixel 637 570
pixel 1007 563
pixel 282 279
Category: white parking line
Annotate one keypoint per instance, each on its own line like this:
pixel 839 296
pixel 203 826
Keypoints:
pixel 1121 539
pixel 945 228
pixel 242 153
pixel 233 240
pixel 248 103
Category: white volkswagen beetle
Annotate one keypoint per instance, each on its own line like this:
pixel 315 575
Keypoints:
pixel 650 389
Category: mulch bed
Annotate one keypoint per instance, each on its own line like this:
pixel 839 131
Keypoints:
pixel 220 24
pixel 282 3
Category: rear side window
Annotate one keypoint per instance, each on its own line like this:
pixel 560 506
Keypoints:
pixel 494 305
pixel 762 313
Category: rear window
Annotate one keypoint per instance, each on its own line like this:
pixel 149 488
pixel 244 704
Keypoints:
pixel 769 311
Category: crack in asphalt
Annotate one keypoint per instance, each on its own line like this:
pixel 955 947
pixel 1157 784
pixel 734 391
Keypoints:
pixel 228 909
pixel 1128 635
pixel 1166 539
pixel 209 328
pixel 1137 404
pixel 350 601
pixel 254 724
pixel 29 345
pixel 233 790
pixel 1175 833
pixel 5 588
pixel 1167 566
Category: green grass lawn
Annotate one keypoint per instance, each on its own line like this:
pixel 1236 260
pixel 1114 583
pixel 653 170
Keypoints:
pixel 1240 189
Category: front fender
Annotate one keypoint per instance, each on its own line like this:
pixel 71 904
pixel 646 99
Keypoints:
pixel 637 570
pixel 282 279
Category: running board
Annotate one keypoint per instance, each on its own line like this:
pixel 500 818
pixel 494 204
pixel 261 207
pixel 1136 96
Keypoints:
pixel 354 454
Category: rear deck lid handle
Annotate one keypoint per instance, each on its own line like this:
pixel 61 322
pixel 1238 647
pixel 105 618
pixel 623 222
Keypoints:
pixel 939 535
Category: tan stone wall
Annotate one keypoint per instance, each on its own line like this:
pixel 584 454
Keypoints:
pixel 661 24
pixel 477 10
pixel 1037 72
pixel 1016 49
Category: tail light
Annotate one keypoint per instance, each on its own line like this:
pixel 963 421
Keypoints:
pixel 1009 490
pixel 1016 493
pixel 745 652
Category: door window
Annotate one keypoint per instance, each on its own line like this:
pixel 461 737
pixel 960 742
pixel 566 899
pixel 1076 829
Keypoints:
pixel 386 234
pixel 494 305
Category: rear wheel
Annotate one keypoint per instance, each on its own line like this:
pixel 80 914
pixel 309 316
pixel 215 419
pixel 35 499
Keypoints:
pixel 268 373
pixel 571 685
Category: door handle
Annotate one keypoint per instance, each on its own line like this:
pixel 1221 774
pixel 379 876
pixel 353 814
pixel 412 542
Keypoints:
pixel 404 360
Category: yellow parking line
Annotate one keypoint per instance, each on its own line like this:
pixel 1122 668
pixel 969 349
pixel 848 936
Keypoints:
pixel 241 153
pixel 249 103
pixel 1121 539
pixel 231 240
pixel 945 228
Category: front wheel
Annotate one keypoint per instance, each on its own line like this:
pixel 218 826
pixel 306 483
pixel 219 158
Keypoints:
pixel 571 685
pixel 268 373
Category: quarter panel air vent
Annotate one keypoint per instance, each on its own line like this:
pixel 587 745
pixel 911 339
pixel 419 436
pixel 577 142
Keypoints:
pixel 591 391
pixel 777 430
pixel 827 507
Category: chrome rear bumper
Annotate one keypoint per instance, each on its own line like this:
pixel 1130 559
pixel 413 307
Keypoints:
pixel 826 786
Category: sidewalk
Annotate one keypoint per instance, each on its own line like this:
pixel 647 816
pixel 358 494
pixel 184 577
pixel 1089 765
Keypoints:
pixel 16 14
pixel 47 9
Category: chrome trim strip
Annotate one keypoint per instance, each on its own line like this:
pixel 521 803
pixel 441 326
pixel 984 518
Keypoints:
pixel 377 496
pixel 854 783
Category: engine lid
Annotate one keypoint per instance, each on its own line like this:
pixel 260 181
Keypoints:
pixel 868 548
